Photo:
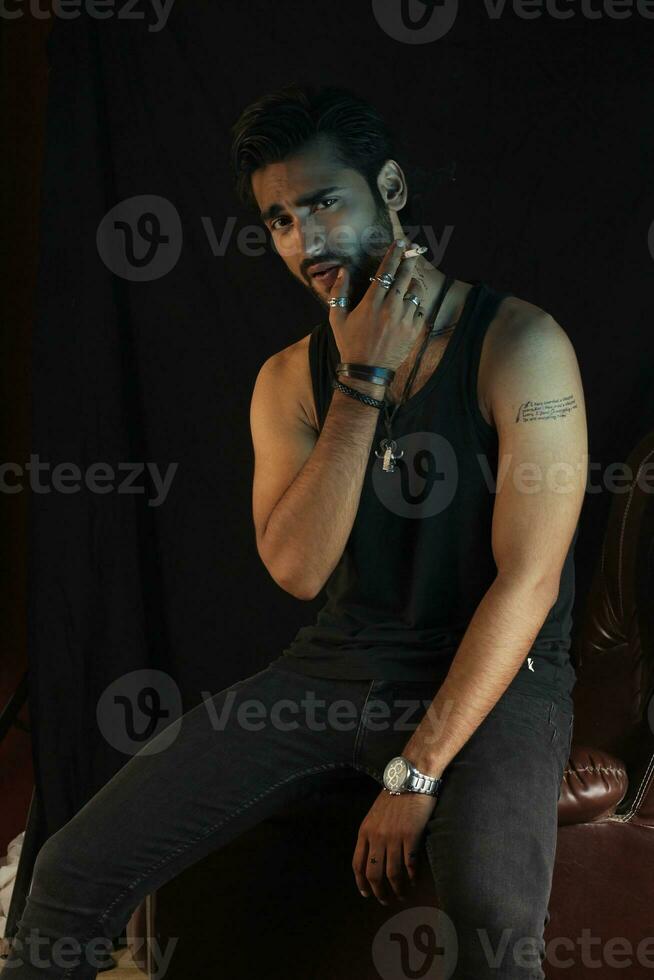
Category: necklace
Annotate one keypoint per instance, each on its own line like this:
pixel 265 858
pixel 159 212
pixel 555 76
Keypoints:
pixel 388 446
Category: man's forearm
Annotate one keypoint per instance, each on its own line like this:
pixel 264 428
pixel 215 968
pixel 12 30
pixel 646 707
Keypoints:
pixel 308 529
pixel 495 644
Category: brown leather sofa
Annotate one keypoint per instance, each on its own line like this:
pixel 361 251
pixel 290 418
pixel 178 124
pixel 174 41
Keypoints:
pixel 602 901
pixel 272 899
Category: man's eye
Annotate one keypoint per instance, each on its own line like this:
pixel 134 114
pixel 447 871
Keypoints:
pixel 328 199
pixel 325 200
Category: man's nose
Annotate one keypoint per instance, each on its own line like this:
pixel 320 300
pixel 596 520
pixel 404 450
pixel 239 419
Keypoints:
pixel 313 238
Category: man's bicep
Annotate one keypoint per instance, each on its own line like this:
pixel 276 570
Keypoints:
pixel 281 438
pixel 538 405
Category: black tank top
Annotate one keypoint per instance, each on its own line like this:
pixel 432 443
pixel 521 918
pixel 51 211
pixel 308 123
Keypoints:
pixel 418 559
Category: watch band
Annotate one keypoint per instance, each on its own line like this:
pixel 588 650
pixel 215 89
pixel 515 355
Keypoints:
pixel 419 782
pixel 413 782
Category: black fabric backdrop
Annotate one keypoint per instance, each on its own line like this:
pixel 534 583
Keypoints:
pixel 548 126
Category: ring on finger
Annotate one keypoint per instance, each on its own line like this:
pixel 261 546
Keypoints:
pixel 412 298
pixel 386 280
pixel 339 301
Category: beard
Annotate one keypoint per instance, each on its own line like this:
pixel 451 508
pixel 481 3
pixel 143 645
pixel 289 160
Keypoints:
pixel 365 262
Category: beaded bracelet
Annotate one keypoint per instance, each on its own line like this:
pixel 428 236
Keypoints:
pixel 359 395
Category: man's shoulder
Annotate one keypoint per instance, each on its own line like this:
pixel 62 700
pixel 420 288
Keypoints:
pixel 291 364
pixel 294 355
pixel 518 329
pixel 518 322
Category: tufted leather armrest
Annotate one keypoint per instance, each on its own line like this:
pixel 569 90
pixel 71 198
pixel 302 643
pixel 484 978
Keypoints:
pixel 594 783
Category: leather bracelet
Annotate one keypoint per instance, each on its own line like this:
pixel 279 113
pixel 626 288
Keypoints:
pixel 362 376
pixel 359 395
pixel 370 371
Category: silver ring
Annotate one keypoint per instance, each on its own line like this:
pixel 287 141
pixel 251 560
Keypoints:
pixel 386 280
pixel 342 301
pixel 412 298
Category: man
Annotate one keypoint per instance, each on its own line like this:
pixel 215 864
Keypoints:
pixel 440 591
pixel 325 182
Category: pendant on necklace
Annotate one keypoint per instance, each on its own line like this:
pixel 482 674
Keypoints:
pixel 387 452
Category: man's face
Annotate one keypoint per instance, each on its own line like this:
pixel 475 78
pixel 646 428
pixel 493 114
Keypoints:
pixel 320 212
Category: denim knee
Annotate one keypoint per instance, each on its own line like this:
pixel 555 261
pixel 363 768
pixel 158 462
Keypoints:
pixel 54 861
pixel 497 937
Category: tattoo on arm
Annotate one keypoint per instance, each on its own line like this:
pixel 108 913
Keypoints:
pixel 556 408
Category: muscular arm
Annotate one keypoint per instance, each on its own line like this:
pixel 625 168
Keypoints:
pixel 537 403
pixel 307 485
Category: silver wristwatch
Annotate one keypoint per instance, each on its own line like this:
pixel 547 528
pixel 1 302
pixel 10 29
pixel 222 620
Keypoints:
pixel 401 776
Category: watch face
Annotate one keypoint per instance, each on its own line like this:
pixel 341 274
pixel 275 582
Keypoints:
pixel 395 774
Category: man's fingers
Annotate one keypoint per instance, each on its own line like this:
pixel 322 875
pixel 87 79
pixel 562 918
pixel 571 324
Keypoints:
pixel 368 865
pixel 359 866
pixel 341 288
pixel 402 282
pixel 400 867
pixel 386 867
pixel 416 287
pixel 411 858
pixel 376 872
pixel 396 871
pixel 388 264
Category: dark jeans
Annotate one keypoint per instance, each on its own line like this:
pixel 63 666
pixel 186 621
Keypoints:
pixel 490 842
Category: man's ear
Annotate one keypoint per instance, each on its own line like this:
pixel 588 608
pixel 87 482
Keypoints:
pixel 392 185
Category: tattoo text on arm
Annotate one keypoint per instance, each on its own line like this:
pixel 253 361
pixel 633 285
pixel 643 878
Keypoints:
pixel 556 408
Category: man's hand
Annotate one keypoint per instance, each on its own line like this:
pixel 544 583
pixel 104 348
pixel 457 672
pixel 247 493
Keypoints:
pixel 385 857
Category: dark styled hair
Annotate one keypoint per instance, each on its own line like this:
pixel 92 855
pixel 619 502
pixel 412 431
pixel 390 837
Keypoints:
pixel 296 116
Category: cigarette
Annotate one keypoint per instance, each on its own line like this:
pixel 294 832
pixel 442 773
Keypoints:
pixel 412 252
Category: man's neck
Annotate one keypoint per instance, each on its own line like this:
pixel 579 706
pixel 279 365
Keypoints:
pixel 432 280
